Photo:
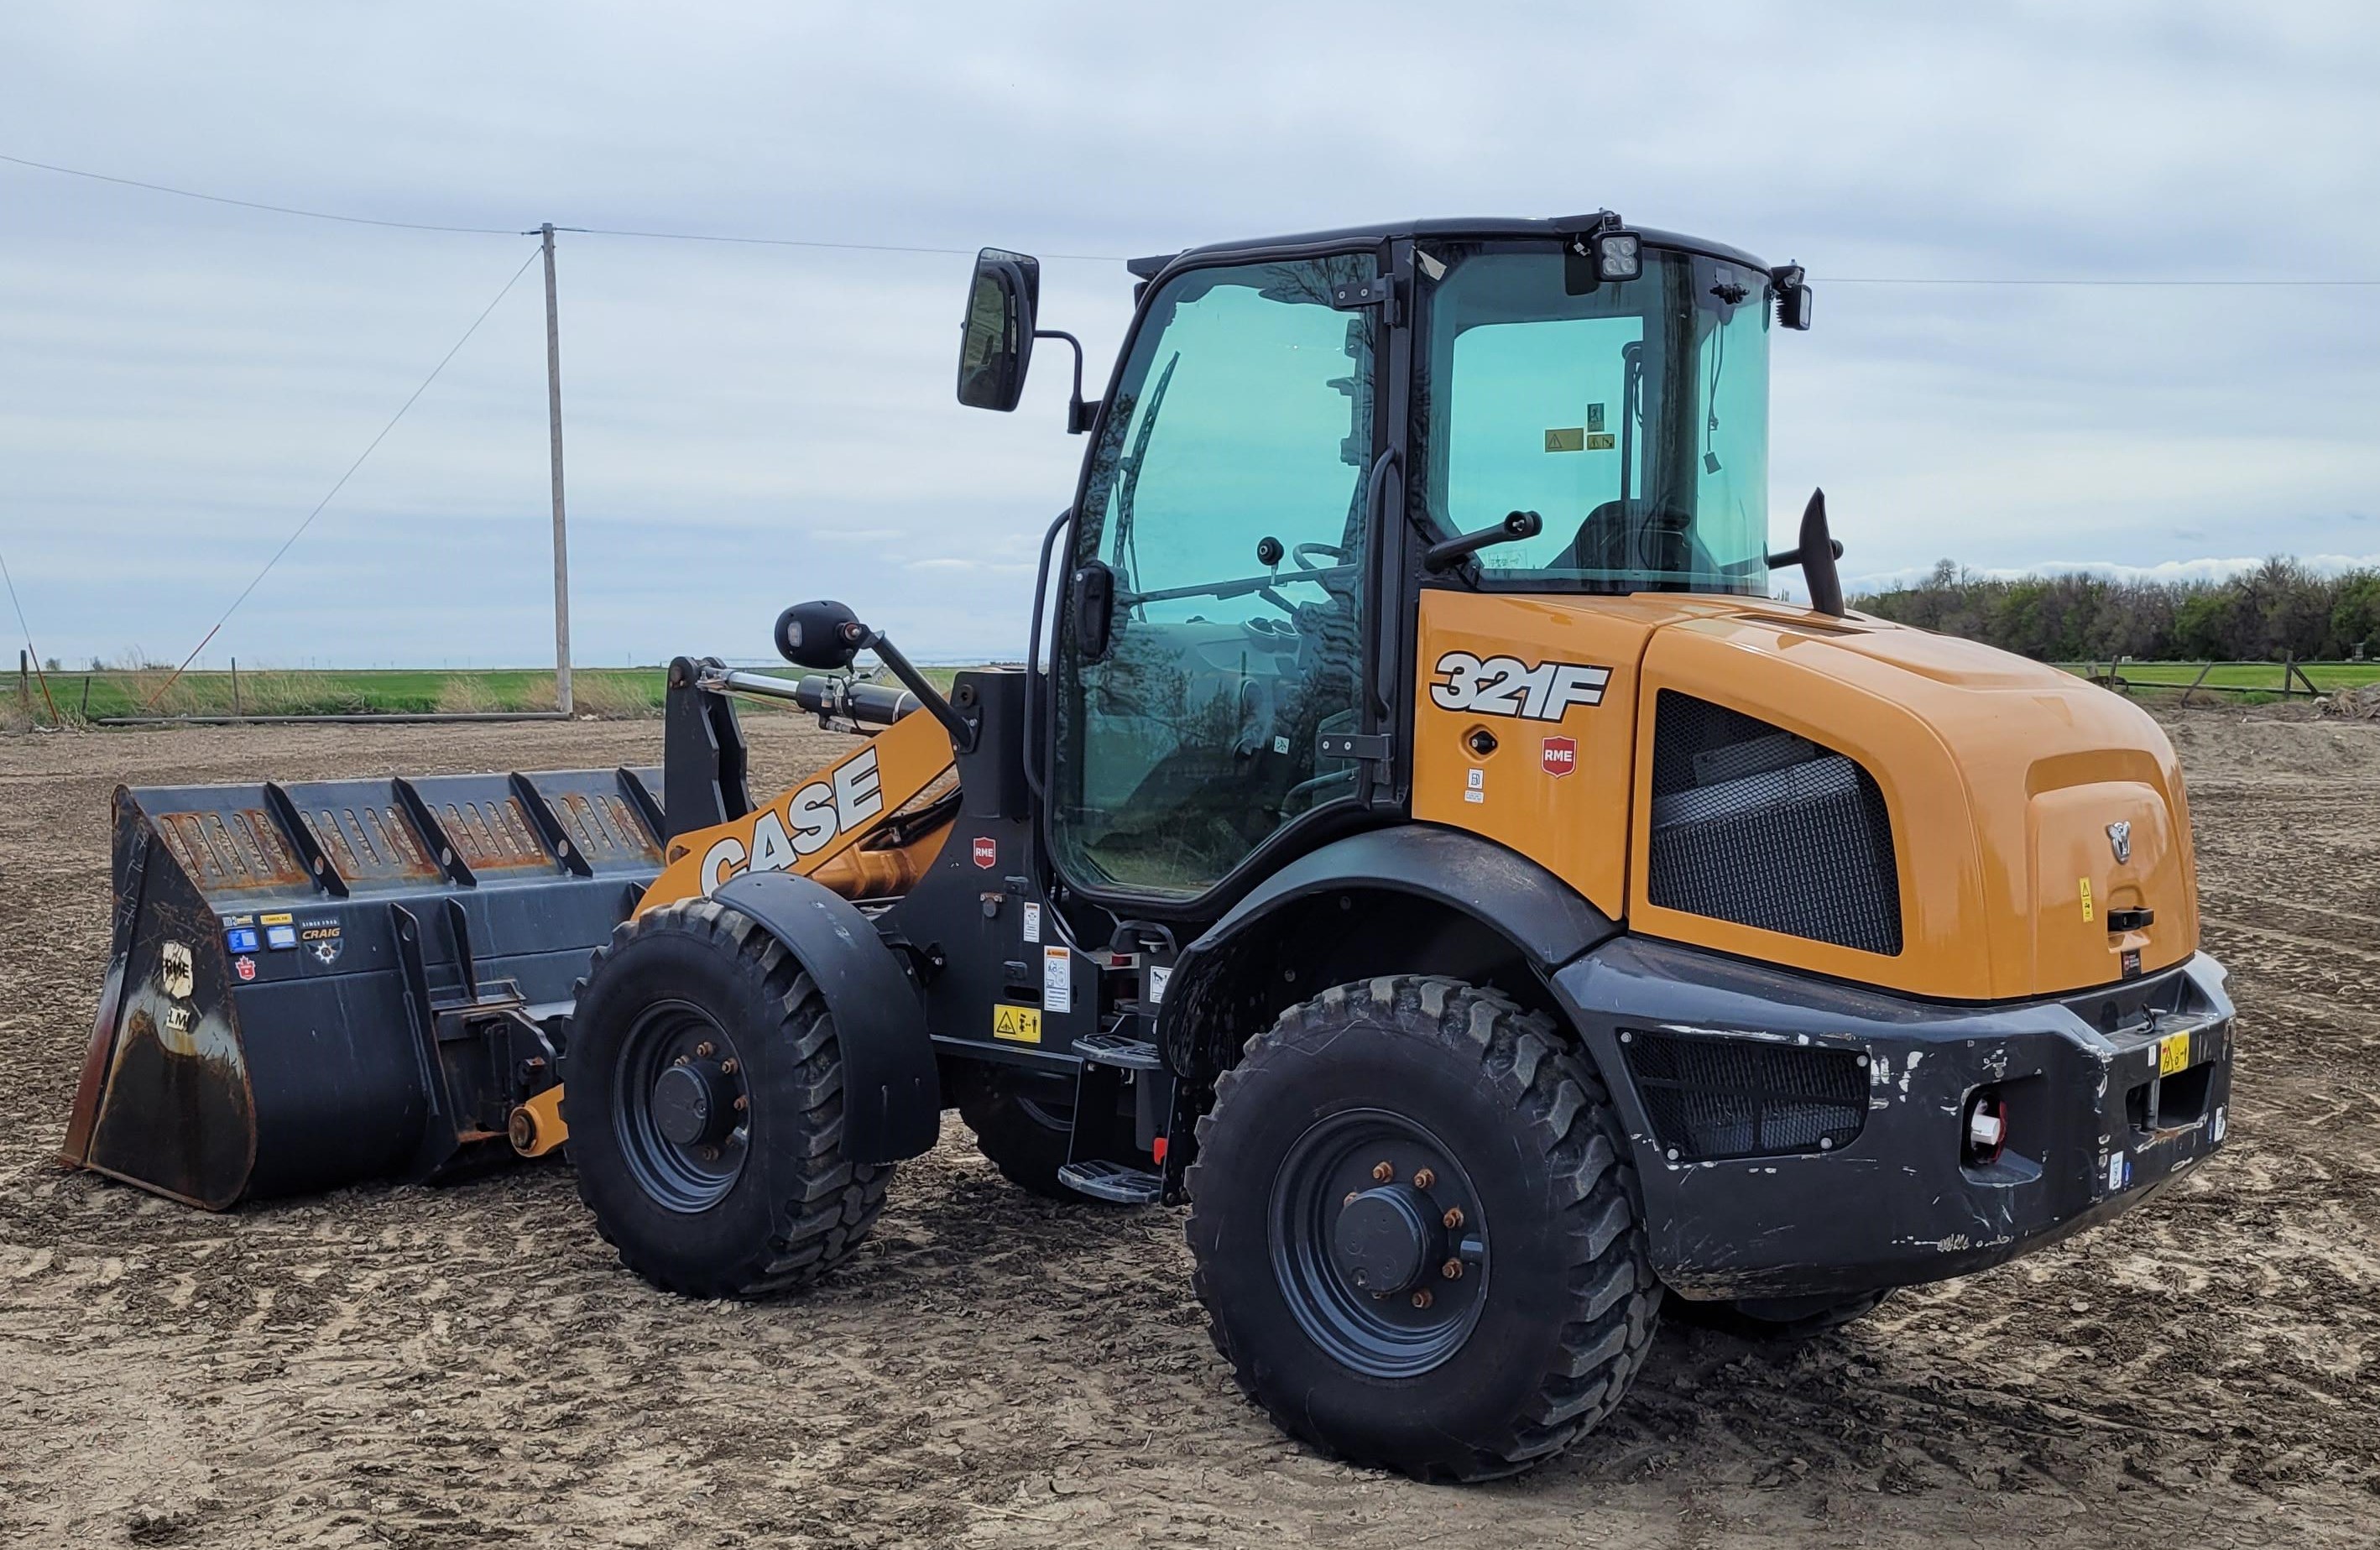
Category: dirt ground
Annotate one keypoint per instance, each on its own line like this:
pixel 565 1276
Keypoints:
pixel 420 1367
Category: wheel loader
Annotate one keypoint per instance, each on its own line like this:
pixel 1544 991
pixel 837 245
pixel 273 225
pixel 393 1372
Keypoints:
pixel 1417 841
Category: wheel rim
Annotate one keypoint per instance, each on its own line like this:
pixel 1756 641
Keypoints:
pixel 1370 1213
pixel 681 1107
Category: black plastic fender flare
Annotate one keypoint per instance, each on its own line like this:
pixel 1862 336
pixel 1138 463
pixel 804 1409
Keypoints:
pixel 891 1096
pixel 1548 921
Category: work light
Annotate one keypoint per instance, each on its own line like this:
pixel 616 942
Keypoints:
pixel 1619 255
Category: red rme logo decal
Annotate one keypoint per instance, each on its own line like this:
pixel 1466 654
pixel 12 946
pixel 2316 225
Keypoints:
pixel 987 852
pixel 1560 755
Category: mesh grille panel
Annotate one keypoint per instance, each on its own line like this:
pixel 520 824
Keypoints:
pixel 1724 1097
pixel 1755 824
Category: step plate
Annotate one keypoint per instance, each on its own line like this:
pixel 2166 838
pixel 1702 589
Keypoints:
pixel 1112 1181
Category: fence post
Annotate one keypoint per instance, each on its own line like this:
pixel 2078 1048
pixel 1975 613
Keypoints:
pixel 2311 692
pixel 2204 669
pixel 86 697
pixel 235 687
pixel 25 685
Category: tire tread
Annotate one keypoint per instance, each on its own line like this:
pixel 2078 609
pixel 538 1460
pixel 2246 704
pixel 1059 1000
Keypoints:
pixel 1560 1103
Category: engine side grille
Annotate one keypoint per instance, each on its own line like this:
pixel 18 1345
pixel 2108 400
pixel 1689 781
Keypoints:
pixel 1710 1096
pixel 1755 824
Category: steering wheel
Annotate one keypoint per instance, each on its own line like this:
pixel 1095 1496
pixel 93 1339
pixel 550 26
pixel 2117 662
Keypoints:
pixel 1303 552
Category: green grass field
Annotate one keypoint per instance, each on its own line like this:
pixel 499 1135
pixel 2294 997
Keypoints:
pixel 616 693
pixel 611 693
pixel 2266 676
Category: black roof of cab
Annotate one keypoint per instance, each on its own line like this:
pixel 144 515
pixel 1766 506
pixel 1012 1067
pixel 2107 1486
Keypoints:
pixel 1471 227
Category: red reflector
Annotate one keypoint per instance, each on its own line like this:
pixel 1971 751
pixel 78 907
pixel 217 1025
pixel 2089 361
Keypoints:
pixel 1157 1149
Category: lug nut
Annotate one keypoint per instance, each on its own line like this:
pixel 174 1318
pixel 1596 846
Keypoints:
pixel 679 1061
pixel 742 1103
pixel 1451 1270
pixel 1425 1178
pixel 710 1153
pixel 1421 1298
pixel 728 1066
pixel 1453 1217
pixel 703 1049
pixel 1383 1172
pixel 1349 1199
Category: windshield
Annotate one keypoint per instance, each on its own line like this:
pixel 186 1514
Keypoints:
pixel 1633 419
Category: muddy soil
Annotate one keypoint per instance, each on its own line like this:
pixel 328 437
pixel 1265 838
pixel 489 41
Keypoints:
pixel 420 1367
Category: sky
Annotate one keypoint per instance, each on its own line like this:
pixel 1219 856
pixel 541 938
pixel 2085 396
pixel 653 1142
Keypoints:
pixel 749 425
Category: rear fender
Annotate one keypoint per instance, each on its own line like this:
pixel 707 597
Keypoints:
pixel 892 1098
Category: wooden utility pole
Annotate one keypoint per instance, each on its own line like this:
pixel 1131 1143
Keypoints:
pixel 560 534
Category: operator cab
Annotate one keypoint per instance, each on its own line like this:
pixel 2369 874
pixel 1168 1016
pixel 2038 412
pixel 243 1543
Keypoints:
pixel 1554 406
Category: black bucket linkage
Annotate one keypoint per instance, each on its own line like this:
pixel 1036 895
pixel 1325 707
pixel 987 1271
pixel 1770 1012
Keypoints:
pixel 317 984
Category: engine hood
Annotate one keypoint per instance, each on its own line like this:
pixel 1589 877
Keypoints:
pixel 2029 811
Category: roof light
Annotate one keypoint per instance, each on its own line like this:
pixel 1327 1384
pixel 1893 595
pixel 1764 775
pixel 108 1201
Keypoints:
pixel 1619 255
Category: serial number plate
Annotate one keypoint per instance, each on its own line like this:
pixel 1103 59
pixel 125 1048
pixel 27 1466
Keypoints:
pixel 2173 1053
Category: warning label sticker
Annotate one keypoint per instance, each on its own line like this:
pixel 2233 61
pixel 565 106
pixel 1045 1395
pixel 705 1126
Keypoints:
pixel 1016 1024
pixel 1057 979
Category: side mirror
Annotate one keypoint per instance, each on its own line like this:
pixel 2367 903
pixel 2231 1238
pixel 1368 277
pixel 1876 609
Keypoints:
pixel 1792 296
pixel 996 336
pixel 823 635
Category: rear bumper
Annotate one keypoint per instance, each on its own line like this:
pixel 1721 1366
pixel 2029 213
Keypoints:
pixel 1815 1145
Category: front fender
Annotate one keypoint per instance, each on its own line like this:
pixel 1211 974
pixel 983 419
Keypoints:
pixel 1546 920
pixel 892 1098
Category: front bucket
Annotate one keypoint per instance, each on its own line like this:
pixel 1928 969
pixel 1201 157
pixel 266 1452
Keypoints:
pixel 319 983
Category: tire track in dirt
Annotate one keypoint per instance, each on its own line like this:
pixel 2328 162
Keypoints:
pixel 450 1367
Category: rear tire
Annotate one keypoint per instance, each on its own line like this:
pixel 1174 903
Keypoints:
pixel 688 1011
pixel 1779 1319
pixel 1023 1126
pixel 1339 1319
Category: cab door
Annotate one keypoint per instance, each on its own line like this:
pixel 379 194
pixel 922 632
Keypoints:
pixel 1215 618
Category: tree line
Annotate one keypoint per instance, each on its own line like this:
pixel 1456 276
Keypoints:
pixel 2280 608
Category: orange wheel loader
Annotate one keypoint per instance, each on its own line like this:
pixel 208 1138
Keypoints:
pixel 1418 844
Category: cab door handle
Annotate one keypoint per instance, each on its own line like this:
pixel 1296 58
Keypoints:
pixel 2130 920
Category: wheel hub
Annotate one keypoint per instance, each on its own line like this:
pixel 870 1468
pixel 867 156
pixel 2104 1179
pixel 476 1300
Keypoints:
pixel 681 1103
pixel 1387 1240
pixel 1378 1242
pixel 691 1104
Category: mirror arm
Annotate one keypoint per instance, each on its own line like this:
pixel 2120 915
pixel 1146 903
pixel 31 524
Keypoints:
pixel 961 731
pixel 1078 413
pixel 1517 525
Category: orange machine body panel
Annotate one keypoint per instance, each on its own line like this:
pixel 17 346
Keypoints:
pixel 820 820
pixel 2007 783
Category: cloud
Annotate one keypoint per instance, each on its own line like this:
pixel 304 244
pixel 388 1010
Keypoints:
pixel 747 426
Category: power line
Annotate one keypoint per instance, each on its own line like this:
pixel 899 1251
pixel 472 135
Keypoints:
pixel 828 245
pixel 252 204
pixel 343 480
pixel 498 231
pixel 1895 280
pixel 30 654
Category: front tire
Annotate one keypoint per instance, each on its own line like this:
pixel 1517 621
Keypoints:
pixel 703 1089
pixel 1413 1234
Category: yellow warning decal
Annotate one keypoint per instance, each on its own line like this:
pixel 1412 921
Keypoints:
pixel 1566 438
pixel 1016 1024
pixel 2173 1053
pixel 2086 900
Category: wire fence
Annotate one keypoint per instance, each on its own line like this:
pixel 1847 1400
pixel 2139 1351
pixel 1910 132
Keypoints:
pixel 2285 679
